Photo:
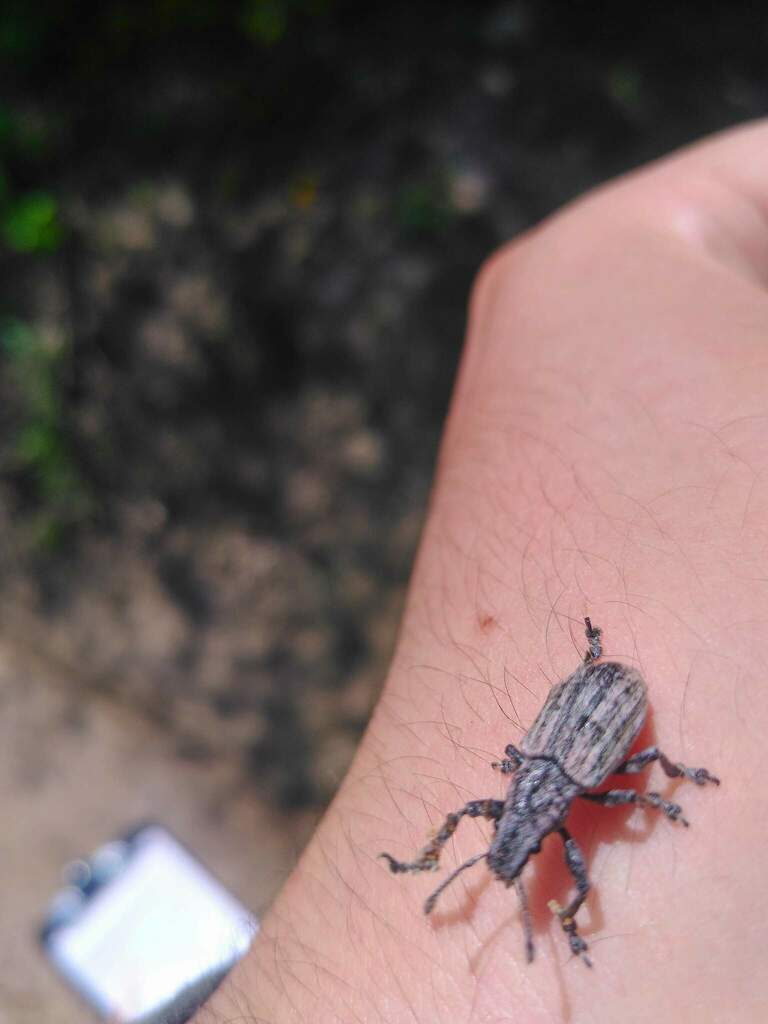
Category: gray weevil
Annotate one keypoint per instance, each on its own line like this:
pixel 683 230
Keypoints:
pixel 580 737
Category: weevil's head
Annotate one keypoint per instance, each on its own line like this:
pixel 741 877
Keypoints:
pixel 509 854
pixel 537 804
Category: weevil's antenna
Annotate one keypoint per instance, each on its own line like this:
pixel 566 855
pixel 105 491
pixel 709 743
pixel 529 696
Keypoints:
pixel 526 916
pixel 429 906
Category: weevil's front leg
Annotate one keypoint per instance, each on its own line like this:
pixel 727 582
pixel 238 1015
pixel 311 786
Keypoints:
pixel 621 797
pixel 430 855
pixel 637 762
pixel 511 762
pixel 575 861
pixel 593 634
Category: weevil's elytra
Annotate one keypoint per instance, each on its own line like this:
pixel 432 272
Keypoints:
pixel 580 737
pixel 589 721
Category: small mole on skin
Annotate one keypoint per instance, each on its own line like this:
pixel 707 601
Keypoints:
pixel 487 622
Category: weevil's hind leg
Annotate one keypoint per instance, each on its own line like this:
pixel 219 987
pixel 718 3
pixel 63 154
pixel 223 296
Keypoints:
pixel 525 914
pixel 593 634
pixel 620 797
pixel 575 861
pixel 430 855
pixel 429 906
pixel 511 762
pixel 637 762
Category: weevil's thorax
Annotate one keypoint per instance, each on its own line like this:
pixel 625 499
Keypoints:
pixel 538 803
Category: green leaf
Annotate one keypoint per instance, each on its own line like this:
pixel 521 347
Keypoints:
pixel 31 224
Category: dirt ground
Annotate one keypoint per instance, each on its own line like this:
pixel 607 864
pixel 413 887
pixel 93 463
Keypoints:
pixel 222 395
pixel 74 773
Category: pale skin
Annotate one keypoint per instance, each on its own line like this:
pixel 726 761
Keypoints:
pixel 606 454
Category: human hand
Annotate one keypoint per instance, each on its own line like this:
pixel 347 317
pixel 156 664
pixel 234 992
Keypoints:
pixel 606 454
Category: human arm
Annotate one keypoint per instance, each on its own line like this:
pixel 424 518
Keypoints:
pixel 606 454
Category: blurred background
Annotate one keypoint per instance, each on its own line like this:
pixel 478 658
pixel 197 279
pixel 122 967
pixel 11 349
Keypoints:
pixel 237 240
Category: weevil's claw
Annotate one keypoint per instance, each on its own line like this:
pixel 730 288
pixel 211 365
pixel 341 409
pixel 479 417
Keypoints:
pixel 398 867
pixel 698 775
pixel 578 945
pixel 575 941
pixel 395 866
pixel 593 634
pixel 582 952
pixel 675 813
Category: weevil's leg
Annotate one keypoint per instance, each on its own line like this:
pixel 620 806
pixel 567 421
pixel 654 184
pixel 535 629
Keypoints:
pixel 526 916
pixel 429 906
pixel 593 634
pixel 429 856
pixel 575 861
pixel 637 762
pixel 511 762
pixel 620 797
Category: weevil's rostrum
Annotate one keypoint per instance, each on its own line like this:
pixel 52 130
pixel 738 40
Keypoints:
pixel 580 737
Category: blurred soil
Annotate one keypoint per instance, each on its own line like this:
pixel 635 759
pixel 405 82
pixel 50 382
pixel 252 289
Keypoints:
pixel 75 772
pixel 220 415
